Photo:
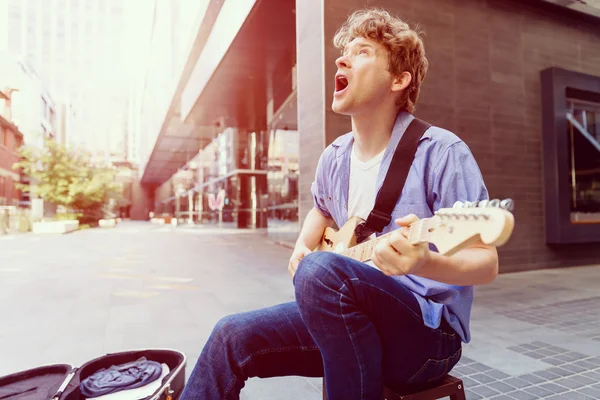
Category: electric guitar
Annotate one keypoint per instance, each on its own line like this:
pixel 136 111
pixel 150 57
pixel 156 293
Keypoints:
pixel 450 230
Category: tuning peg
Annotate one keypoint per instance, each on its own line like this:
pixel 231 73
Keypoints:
pixel 507 204
pixel 458 204
pixel 483 203
pixel 494 203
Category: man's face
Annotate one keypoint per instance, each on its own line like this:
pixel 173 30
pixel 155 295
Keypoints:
pixel 363 80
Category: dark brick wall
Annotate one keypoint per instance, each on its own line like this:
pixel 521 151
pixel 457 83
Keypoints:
pixel 483 84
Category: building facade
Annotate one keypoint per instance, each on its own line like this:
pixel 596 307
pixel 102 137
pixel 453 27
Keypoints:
pixel 516 80
pixel 10 141
pixel 30 112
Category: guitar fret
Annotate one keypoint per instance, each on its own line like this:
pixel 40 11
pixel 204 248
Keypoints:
pixel 365 250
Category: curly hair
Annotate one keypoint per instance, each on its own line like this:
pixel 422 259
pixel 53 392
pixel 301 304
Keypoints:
pixel 406 51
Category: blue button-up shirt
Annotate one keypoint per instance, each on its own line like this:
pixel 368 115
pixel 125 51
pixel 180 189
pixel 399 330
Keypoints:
pixel 444 171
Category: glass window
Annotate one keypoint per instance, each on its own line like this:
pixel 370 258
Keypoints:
pixel 584 161
pixel 283 175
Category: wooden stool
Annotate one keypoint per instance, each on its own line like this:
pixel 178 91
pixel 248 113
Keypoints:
pixel 449 386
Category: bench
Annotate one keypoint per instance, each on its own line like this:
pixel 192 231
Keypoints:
pixel 448 387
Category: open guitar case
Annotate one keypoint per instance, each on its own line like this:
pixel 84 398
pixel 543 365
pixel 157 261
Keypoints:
pixel 62 381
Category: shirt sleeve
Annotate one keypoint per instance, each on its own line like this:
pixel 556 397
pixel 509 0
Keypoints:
pixel 456 177
pixel 318 188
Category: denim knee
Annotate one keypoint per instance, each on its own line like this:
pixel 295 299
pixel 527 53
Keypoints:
pixel 316 272
pixel 228 333
pixel 315 266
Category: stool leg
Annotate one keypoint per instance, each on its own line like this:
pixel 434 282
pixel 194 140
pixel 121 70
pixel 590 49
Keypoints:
pixel 460 395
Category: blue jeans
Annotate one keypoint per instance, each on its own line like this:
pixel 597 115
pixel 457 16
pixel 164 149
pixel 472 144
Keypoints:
pixel 350 323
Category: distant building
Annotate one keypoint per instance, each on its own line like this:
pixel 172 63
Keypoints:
pixel 31 110
pixel 10 141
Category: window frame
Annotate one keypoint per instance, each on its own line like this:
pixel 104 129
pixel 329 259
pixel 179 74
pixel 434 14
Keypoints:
pixel 557 186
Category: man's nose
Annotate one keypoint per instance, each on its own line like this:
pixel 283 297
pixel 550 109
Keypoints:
pixel 342 62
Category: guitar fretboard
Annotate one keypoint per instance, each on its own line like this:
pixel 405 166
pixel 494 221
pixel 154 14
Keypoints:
pixel 364 251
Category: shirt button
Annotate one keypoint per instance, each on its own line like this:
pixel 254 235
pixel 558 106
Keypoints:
pixel 345 206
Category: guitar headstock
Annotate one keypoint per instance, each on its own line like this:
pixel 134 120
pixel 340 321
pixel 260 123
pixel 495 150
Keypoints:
pixel 452 229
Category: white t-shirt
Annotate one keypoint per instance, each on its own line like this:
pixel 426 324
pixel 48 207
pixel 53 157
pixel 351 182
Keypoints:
pixel 363 185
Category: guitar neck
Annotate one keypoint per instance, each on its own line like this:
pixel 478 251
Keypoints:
pixel 450 230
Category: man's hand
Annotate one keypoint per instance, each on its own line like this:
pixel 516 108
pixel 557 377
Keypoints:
pixel 396 256
pixel 300 251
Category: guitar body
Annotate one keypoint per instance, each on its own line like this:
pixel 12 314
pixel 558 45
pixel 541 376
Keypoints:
pixel 337 241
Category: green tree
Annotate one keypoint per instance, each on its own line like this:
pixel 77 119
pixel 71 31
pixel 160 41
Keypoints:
pixel 66 177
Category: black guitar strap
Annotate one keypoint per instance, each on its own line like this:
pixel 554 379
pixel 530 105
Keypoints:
pixel 381 215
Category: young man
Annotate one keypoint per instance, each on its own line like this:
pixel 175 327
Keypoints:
pixel 402 323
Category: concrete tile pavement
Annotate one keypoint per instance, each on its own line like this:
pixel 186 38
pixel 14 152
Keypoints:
pixel 75 297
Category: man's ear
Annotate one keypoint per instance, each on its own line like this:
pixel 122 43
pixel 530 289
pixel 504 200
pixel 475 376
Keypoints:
pixel 401 81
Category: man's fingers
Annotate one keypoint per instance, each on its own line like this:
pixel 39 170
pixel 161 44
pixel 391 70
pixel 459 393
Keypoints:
pixel 384 254
pixel 377 261
pixel 292 266
pixel 400 243
pixel 389 254
pixel 406 220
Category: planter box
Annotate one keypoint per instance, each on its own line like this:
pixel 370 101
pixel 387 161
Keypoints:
pixel 55 226
pixel 107 223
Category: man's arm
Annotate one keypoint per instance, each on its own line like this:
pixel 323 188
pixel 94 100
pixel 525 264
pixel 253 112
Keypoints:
pixel 310 236
pixel 475 265
pixel 312 229
pixel 317 219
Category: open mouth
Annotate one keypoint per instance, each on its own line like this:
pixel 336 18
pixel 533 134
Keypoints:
pixel 341 83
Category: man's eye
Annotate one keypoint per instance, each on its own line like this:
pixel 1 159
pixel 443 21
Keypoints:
pixel 363 52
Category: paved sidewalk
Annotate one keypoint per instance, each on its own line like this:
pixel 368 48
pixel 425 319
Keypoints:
pixel 74 297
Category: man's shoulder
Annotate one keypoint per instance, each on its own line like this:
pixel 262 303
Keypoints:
pixel 440 143
pixel 440 137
